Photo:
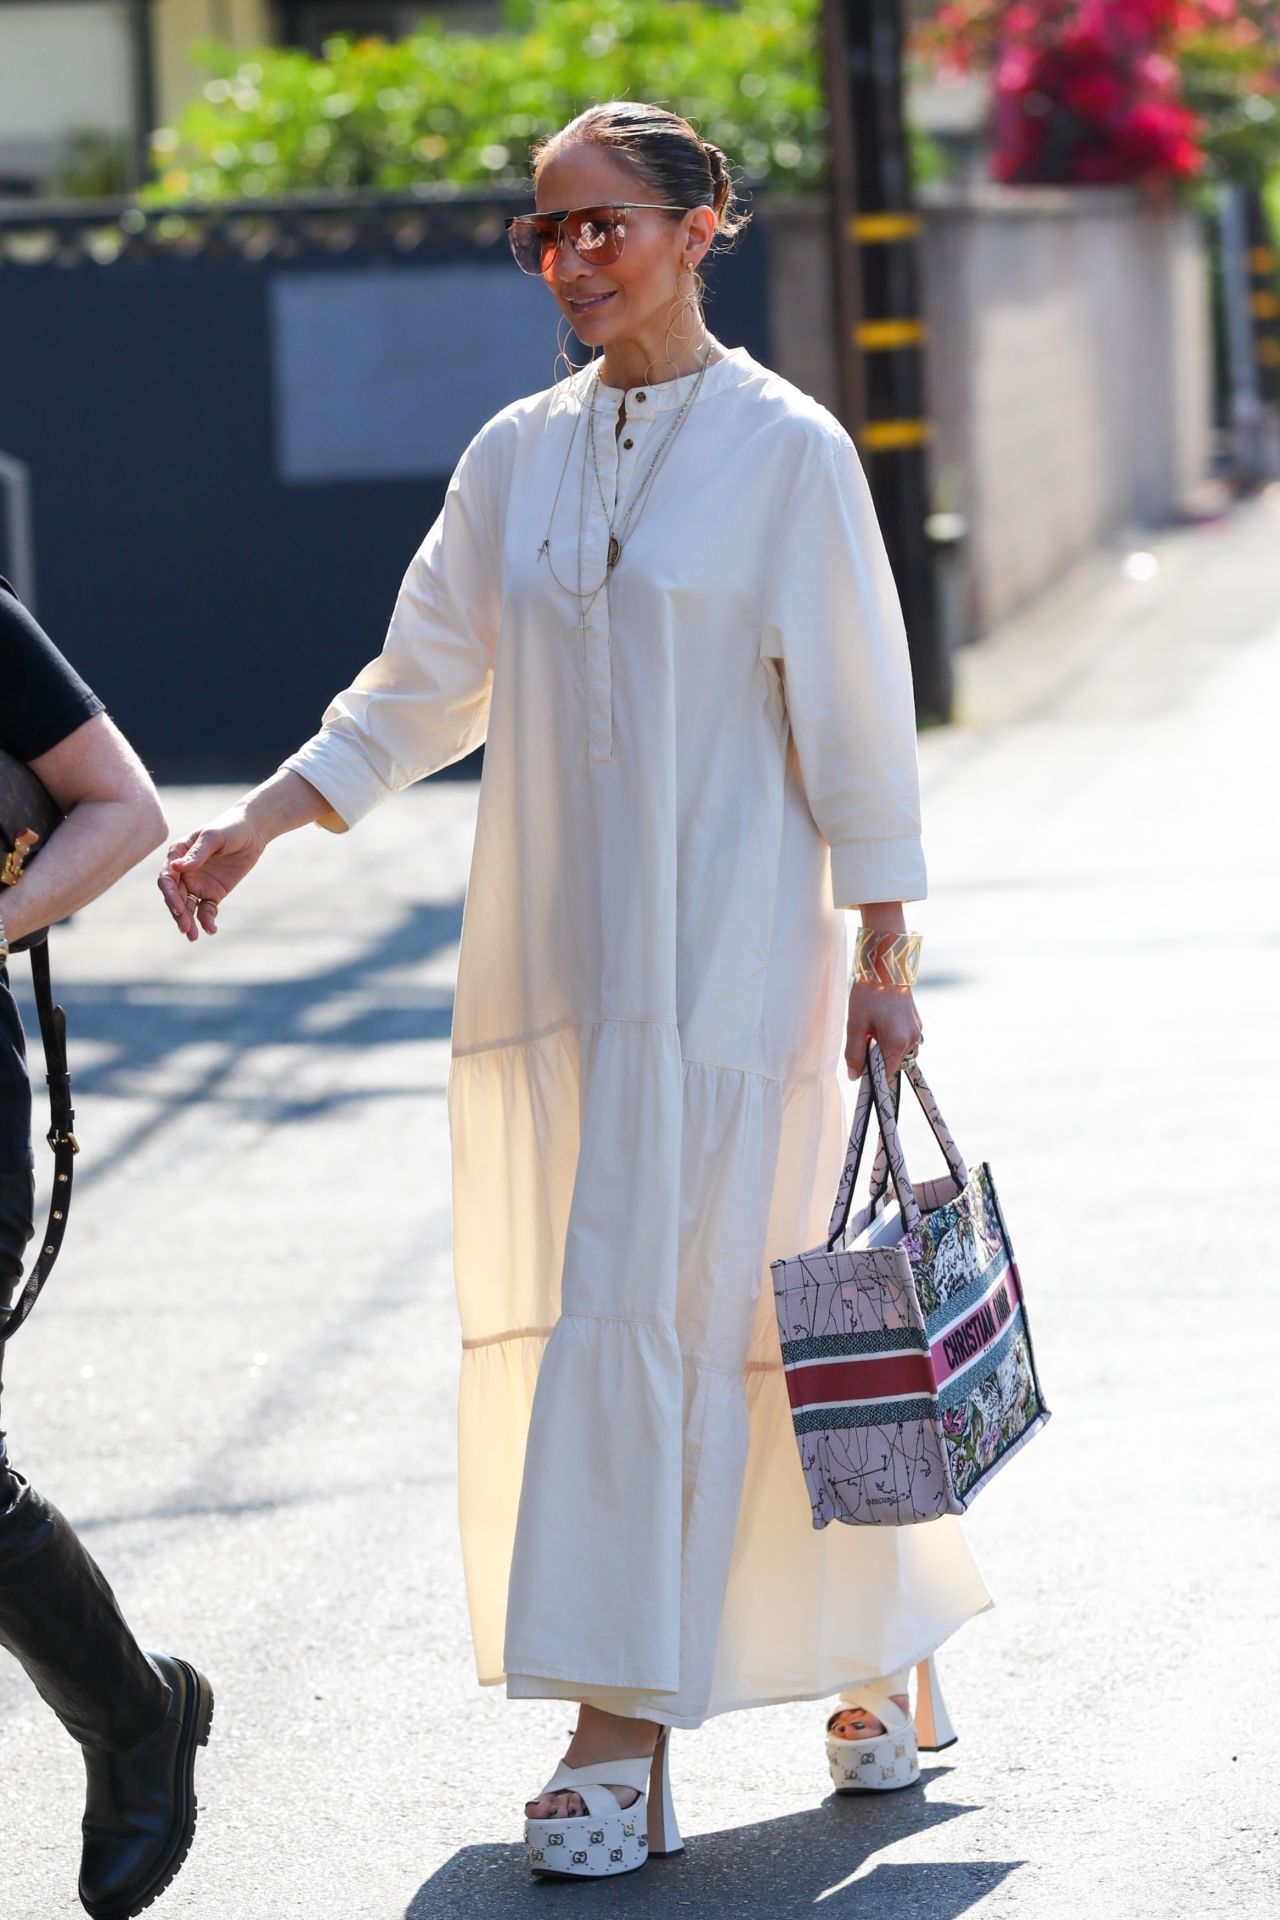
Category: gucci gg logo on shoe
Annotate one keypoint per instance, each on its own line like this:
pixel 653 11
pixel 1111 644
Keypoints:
pixel 555 1839
pixel 615 1853
pixel 597 1838
pixel 536 1853
pixel 579 1859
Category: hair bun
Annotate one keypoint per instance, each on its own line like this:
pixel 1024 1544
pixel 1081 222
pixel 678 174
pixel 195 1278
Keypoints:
pixel 666 154
pixel 730 219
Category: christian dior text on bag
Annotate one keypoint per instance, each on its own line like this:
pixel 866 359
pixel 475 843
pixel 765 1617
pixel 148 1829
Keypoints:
pixel 907 1351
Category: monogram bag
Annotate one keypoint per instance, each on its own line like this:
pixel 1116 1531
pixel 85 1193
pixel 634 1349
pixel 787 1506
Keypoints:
pixel 905 1341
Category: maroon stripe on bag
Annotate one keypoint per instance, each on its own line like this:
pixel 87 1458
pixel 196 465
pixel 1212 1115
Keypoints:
pixel 872 1378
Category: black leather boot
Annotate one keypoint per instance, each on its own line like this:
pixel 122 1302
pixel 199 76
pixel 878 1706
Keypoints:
pixel 140 1809
pixel 138 1720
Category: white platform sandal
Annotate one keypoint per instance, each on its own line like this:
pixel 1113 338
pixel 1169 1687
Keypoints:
pixel 608 1838
pixel 886 1761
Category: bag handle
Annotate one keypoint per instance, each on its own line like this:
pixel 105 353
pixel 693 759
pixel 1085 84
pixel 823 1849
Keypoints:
pixel 941 1133
pixel 61 1136
pixel 874 1090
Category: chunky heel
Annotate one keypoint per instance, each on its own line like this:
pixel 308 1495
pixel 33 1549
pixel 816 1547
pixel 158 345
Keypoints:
pixel 664 1833
pixel 890 1759
pixel 934 1730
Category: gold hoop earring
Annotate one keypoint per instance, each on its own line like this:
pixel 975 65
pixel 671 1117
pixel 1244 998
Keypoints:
pixel 689 307
pixel 564 334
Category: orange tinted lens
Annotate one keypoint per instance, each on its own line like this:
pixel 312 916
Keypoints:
pixel 597 234
pixel 533 243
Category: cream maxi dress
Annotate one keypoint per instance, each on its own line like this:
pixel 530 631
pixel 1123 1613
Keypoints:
pixel 645 1096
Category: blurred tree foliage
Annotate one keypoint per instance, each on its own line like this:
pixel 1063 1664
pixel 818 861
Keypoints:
pixel 443 106
pixel 1229 55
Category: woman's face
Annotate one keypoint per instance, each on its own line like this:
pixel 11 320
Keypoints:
pixel 632 298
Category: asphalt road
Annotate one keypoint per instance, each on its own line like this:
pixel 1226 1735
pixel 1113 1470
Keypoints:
pixel 240 1384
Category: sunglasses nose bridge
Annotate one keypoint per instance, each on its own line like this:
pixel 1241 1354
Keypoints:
pixel 566 258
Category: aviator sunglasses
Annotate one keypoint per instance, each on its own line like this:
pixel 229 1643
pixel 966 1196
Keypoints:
pixel 596 234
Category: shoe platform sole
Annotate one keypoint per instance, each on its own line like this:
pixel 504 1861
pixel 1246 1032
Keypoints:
pixel 885 1763
pixel 195 1733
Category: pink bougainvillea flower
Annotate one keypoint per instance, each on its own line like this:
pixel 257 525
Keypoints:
pixel 1158 72
pixel 1015 70
pixel 1094 93
pixel 1090 90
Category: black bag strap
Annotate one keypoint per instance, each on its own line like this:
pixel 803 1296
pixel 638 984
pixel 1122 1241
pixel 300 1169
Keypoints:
pixel 61 1137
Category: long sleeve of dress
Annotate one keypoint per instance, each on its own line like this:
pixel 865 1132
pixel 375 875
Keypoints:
pixel 424 702
pixel 833 623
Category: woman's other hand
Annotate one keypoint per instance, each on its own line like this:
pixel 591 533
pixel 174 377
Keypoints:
pixel 888 1016
pixel 200 871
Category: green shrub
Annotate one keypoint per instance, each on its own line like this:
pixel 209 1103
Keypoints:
pixel 464 109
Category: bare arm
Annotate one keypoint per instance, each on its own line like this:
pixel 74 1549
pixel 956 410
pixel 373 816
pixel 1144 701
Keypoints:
pixel 201 870
pixel 113 819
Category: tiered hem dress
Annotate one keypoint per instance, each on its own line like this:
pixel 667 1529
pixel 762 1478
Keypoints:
pixel 680 795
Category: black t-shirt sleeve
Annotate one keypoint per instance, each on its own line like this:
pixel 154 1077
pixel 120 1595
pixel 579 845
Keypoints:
pixel 42 697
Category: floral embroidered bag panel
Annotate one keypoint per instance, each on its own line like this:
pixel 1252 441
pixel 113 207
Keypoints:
pixel 908 1356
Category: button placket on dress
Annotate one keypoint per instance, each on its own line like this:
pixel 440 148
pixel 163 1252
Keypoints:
pixel 617 458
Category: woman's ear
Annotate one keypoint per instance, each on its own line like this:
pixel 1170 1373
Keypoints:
pixel 700 231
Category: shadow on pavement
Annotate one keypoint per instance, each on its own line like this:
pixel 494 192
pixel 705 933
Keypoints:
pixel 138 1026
pixel 803 1863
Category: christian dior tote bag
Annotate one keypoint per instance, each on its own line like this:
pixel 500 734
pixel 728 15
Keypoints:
pixel 905 1340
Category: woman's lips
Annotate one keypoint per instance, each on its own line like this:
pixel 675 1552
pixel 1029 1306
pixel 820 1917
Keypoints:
pixel 588 303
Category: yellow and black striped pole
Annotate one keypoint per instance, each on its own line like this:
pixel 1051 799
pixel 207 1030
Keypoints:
pixel 1263 262
pixel 883 334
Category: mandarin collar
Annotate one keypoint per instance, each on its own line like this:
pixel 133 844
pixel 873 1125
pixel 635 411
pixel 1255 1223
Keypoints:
pixel 667 395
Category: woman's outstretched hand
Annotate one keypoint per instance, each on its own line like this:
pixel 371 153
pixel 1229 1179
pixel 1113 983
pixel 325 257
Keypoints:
pixel 888 1016
pixel 200 871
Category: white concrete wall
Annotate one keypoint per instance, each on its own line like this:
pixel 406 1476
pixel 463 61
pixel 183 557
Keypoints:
pixel 68 66
pixel 1069 374
pixel 1069 367
pixel 62 68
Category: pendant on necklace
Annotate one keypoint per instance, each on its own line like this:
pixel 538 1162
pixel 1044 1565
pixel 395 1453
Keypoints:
pixel 615 551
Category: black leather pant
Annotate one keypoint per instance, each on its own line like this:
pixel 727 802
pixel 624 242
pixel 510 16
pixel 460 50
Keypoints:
pixel 58 1616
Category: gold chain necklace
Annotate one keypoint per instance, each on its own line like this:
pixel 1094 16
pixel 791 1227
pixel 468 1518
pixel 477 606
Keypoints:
pixel 621 529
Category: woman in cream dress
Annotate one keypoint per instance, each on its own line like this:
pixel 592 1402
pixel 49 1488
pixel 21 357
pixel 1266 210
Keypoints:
pixel 658 593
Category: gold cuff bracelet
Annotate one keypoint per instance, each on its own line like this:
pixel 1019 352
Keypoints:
pixel 886 959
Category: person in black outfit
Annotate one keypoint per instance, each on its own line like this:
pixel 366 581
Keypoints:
pixel 137 1718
